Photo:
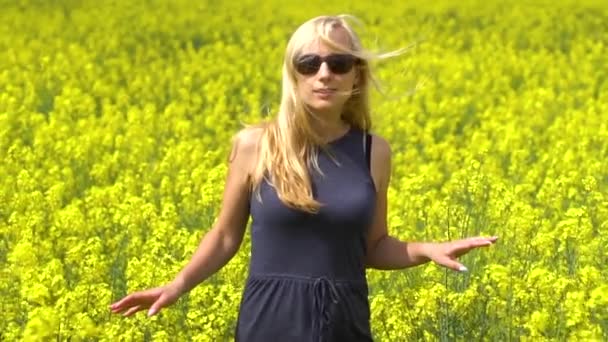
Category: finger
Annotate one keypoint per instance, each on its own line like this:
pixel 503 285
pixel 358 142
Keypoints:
pixel 475 242
pixel 118 307
pixel 491 239
pixel 137 298
pixel 453 265
pixel 484 240
pixel 463 247
pixel 124 302
pixel 122 309
pixel 155 308
pixel 152 311
pixel 132 310
pixel 479 242
pixel 160 303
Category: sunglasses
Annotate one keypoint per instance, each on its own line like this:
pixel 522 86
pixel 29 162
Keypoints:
pixel 309 64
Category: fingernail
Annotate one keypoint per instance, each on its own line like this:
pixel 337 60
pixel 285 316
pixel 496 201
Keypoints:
pixel 150 312
pixel 463 269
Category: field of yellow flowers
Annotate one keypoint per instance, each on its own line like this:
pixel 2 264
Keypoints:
pixel 115 120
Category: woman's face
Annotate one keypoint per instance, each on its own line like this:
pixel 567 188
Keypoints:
pixel 325 77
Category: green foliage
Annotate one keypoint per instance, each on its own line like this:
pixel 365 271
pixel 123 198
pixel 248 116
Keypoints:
pixel 116 119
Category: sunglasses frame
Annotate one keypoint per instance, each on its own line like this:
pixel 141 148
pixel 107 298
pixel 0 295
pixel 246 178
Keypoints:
pixel 338 63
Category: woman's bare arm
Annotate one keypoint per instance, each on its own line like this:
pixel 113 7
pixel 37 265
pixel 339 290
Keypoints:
pixel 386 252
pixel 222 242
pixel 218 246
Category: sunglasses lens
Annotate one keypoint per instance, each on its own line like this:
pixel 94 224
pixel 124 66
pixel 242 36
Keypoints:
pixel 337 63
pixel 340 64
pixel 308 64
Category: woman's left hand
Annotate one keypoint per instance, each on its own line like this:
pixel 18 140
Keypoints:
pixel 446 253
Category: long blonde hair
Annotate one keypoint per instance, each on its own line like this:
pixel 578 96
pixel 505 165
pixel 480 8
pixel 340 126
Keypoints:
pixel 287 145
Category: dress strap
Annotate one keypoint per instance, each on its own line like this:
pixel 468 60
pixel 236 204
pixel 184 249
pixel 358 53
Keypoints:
pixel 367 138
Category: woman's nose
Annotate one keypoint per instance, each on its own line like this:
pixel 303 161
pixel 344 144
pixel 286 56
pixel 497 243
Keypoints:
pixel 324 71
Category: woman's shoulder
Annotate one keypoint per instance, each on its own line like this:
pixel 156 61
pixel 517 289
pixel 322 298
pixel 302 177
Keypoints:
pixel 246 139
pixel 381 156
pixel 245 148
pixel 380 146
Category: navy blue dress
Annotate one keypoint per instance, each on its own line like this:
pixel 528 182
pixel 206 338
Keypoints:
pixel 306 280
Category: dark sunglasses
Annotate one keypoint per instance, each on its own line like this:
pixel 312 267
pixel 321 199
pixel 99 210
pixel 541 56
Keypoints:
pixel 309 64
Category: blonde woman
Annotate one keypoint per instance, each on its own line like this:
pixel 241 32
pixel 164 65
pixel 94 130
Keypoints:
pixel 314 181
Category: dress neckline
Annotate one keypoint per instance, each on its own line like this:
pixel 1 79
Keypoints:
pixel 342 137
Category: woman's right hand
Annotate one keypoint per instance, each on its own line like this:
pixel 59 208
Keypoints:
pixel 155 299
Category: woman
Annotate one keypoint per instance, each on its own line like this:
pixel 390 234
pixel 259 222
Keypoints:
pixel 314 181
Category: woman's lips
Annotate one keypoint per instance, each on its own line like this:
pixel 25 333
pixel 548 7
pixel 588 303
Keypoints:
pixel 324 93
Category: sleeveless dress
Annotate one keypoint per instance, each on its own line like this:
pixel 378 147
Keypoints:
pixel 307 280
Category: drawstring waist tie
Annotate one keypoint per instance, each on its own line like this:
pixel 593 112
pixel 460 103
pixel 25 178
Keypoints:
pixel 324 290
pixel 325 296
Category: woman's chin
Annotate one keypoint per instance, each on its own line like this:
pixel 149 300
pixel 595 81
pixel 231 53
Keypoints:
pixel 323 106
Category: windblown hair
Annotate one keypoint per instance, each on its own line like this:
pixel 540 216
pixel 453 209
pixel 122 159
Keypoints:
pixel 288 143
